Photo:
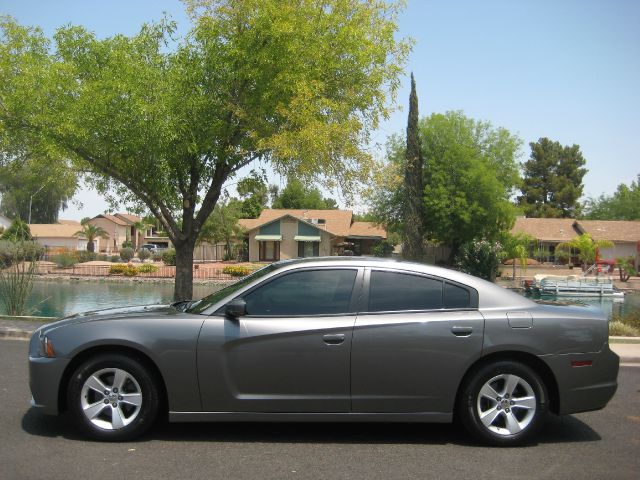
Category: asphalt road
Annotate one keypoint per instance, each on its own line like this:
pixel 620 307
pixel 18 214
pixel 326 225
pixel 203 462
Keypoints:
pixel 604 444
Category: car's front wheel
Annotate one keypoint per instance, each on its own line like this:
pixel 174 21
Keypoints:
pixel 503 403
pixel 112 397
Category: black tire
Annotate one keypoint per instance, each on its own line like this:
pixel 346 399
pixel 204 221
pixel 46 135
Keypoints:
pixel 509 420
pixel 120 413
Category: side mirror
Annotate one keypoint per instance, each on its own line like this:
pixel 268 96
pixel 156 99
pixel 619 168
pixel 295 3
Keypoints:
pixel 236 308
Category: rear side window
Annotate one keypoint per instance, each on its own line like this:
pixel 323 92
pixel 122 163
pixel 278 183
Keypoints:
pixel 307 292
pixel 391 291
pixel 456 297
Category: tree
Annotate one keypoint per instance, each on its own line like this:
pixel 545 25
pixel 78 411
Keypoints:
pixel 552 181
pixel 414 206
pixel 222 225
pixel 469 174
pixel 297 84
pixel 586 248
pixel 91 232
pixel 515 247
pixel 19 231
pixel 296 195
pixel 624 204
pixel 254 196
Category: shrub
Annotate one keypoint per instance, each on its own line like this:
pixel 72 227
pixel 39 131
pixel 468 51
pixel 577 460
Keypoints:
pixel 619 329
pixel 65 260
pixel 480 258
pixel 115 258
pixel 85 256
pixel 103 257
pixel 126 253
pixel 382 249
pixel 148 268
pixel 169 256
pixel 631 318
pixel 127 244
pixel 143 254
pixel 117 269
pixel 236 270
pixel 156 257
pixel 14 252
pixel 130 271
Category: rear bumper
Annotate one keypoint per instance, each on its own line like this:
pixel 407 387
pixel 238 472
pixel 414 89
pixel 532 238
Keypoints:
pixel 584 388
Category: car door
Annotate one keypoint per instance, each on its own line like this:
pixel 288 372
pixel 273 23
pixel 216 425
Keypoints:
pixel 290 352
pixel 414 338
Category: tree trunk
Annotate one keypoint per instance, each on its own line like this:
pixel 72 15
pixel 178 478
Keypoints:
pixel 184 271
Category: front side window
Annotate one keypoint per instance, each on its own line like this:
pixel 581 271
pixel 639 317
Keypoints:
pixel 391 291
pixel 307 292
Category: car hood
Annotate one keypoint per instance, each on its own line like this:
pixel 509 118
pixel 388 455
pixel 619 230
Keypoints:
pixel 109 314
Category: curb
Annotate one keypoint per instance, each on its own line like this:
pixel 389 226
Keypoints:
pixel 15 333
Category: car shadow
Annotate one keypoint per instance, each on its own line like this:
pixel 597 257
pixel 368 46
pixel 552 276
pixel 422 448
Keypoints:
pixel 566 429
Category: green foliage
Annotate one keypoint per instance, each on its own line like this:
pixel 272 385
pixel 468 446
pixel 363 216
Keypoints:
pixel 298 84
pixel 516 247
pixel 148 268
pixel 585 246
pixel 127 244
pixel 236 270
pixel 222 225
pixel 34 185
pixel 624 204
pixel 297 195
pixel 631 318
pixel 103 257
pixel 143 254
pixel 114 258
pixel 65 260
pixel 21 251
pixel 19 231
pixel 91 232
pixel 126 253
pixel 169 256
pixel 626 268
pixel 382 249
pixel 117 269
pixel 552 181
pixel 84 256
pixel 480 258
pixel 621 329
pixel 156 257
pixel 16 276
pixel 469 174
pixel 254 196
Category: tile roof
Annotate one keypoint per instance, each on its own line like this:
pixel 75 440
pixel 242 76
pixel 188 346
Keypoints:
pixel 129 217
pixel 114 219
pixel 337 222
pixel 546 229
pixel 367 229
pixel 614 230
pixel 68 222
pixel 54 230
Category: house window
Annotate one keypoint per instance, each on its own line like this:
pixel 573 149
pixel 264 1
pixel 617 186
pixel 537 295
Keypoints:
pixel 269 251
pixel 308 249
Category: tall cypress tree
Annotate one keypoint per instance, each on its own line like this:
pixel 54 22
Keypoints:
pixel 413 208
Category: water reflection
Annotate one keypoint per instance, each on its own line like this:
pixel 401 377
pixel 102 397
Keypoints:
pixel 609 305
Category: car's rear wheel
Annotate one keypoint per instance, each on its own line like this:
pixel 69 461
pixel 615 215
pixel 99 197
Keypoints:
pixel 503 403
pixel 113 397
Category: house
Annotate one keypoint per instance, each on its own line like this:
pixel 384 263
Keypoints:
pixel 57 237
pixel 280 234
pixel 118 229
pixel 549 232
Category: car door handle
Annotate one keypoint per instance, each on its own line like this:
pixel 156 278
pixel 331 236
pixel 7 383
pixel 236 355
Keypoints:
pixel 462 331
pixel 336 339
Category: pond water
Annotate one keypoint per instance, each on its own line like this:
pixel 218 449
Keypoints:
pixel 57 299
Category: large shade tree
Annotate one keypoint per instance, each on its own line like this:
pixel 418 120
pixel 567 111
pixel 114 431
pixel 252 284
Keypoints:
pixel 163 122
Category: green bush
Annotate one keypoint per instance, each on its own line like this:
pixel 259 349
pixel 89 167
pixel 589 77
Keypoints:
pixel 103 257
pixel 236 270
pixel 115 258
pixel 65 260
pixel 130 271
pixel 148 268
pixel 117 269
pixel 156 257
pixel 126 253
pixel 85 256
pixel 382 249
pixel 631 318
pixel 143 254
pixel 619 329
pixel 127 244
pixel 480 258
pixel 169 256
pixel 15 252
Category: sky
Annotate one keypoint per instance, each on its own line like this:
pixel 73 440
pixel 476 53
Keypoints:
pixel 568 70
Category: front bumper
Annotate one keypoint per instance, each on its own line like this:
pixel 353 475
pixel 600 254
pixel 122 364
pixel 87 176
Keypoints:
pixel 45 375
pixel 584 388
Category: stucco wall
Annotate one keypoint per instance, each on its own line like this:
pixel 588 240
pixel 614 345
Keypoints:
pixel 288 246
pixel 117 233
pixel 70 243
pixel 619 250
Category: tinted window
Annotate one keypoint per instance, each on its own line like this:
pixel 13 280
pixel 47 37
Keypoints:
pixel 390 291
pixel 309 292
pixel 456 297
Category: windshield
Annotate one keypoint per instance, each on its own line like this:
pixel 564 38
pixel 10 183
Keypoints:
pixel 201 305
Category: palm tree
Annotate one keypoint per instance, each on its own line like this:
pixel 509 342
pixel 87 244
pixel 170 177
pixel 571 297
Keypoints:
pixel 91 232
pixel 516 248
pixel 139 226
pixel 586 247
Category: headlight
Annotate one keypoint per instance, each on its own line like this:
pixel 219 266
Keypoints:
pixel 45 349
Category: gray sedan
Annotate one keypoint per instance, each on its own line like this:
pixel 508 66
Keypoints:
pixel 333 339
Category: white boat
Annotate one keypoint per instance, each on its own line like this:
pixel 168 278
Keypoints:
pixel 576 286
